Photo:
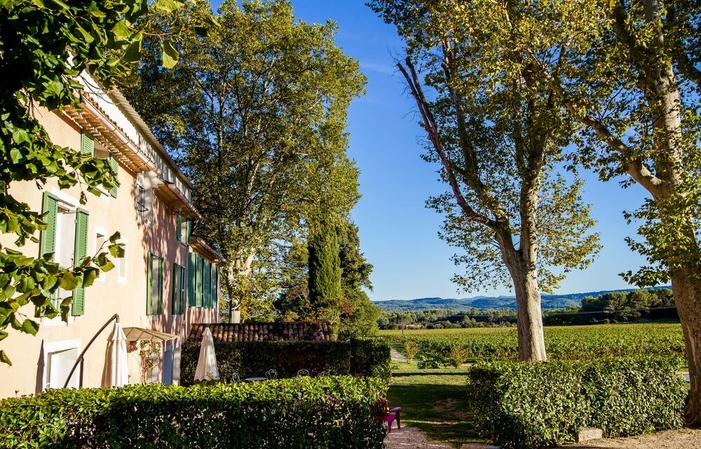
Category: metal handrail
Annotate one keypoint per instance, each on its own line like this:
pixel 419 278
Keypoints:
pixel 114 317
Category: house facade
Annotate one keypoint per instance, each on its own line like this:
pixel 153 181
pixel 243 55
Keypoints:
pixel 166 281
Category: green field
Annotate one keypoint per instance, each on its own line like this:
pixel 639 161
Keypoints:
pixel 562 342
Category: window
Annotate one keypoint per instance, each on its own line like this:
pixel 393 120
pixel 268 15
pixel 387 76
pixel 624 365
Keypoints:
pixel 202 282
pixel 154 295
pixel 59 358
pixel 121 263
pixel 182 229
pixel 178 289
pixel 66 237
pixel 100 240
pixel 88 146
pixel 144 197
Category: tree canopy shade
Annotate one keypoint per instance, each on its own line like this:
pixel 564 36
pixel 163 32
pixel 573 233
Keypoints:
pixel 256 116
pixel 44 47
pixel 628 73
pixel 498 139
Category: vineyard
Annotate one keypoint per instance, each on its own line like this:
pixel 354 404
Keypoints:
pixel 438 347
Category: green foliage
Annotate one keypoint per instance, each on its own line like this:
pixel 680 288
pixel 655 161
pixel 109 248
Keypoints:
pixel 292 413
pixel 370 357
pixel 411 348
pixel 324 267
pixel 543 404
pixel 563 343
pixel 252 359
pixel 256 115
pixel 44 48
pixel 359 357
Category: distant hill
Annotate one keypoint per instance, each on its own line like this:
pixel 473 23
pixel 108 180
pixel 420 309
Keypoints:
pixel 487 302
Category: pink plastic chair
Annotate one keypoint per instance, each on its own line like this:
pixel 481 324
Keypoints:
pixel 391 415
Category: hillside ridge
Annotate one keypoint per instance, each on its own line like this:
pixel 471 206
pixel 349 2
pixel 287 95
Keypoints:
pixel 557 301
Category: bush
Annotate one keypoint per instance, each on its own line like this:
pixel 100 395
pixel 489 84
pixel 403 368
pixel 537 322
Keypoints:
pixel 371 357
pixel 300 413
pixel 532 405
pixel 255 358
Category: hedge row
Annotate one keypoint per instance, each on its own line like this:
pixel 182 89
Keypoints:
pixel 306 412
pixel 533 405
pixel 360 357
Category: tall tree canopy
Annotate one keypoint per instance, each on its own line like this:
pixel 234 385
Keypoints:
pixel 493 129
pixel 629 74
pixel 44 47
pixel 256 115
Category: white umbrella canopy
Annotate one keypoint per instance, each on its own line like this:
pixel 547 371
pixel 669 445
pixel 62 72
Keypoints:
pixel 116 371
pixel 207 362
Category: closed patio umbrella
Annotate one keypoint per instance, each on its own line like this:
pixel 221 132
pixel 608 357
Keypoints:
pixel 207 362
pixel 116 371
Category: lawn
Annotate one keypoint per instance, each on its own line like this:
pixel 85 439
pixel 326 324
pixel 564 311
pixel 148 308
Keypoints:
pixel 435 402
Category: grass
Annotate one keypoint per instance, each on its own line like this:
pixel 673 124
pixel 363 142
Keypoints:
pixel 436 403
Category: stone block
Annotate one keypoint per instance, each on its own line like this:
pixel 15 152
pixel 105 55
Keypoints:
pixel 589 433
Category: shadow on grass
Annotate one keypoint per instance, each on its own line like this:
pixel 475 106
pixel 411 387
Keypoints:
pixel 436 404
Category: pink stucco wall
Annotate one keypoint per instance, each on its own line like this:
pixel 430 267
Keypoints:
pixel 111 293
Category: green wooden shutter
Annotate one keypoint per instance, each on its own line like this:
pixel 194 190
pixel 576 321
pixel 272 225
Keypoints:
pixel 48 235
pixel 87 145
pixel 181 293
pixel 207 285
pixel 215 287
pixel 188 231
pixel 191 270
pixel 160 285
pixel 176 290
pixel 114 165
pixel 179 227
pixel 149 284
pixel 198 282
pixel 80 250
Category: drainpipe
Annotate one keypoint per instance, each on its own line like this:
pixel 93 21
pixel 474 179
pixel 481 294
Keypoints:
pixel 114 318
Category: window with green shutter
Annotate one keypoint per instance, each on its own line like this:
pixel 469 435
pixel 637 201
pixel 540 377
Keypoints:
pixel 154 290
pixel 199 279
pixel 178 307
pixel 87 144
pixel 80 250
pixel 114 165
pixel 191 276
pixel 66 238
pixel 215 286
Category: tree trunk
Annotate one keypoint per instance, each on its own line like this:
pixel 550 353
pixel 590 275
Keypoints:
pixel 687 288
pixel 529 318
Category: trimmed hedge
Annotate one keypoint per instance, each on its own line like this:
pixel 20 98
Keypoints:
pixel 533 405
pixel 250 359
pixel 371 357
pixel 304 412
pixel 360 357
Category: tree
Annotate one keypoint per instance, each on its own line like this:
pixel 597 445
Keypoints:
pixel 256 116
pixel 324 269
pixel 44 47
pixel 628 73
pixel 493 130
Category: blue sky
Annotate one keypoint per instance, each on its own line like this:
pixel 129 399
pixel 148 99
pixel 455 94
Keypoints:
pixel 398 234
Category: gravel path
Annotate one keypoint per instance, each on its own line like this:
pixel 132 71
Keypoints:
pixel 413 438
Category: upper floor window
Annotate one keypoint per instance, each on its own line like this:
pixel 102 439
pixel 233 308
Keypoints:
pixel 154 295
pixel 66 237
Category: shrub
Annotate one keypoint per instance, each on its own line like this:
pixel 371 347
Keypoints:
pixel 255 358
pixel 291 413
pixel 532 405
pixel 371 357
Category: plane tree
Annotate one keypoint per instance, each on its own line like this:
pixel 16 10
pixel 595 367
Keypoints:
pixel 255 114
pixel 492 128
pixel 628 73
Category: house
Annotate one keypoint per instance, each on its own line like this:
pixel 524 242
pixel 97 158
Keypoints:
pixel 166 281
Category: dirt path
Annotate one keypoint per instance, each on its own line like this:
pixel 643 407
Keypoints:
pixel 397 356
pixel 413 438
